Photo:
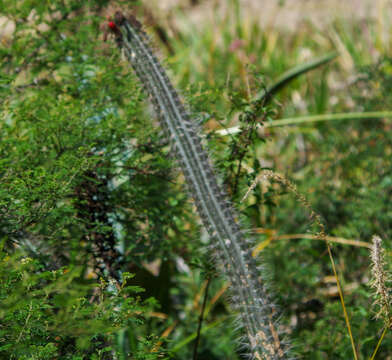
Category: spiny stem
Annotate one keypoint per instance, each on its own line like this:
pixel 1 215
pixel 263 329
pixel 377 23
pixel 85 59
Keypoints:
pixel 232 249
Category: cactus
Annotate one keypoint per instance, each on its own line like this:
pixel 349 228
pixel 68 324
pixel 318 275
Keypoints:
pixel 250 294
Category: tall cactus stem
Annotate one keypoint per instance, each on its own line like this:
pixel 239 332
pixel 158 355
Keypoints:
pixel 250 295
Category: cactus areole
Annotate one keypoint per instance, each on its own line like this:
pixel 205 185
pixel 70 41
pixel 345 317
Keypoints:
pixel 250 295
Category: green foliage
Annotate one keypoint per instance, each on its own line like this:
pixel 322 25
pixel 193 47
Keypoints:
pixel 46 314
pixel 86 185
pixel 88 192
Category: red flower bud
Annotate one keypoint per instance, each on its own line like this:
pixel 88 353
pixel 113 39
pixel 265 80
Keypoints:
pixel 112 25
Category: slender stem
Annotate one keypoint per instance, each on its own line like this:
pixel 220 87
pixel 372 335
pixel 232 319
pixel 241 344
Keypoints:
pixel 201 319
pixel 342 301
pixel 379 343
pixel 26 322
pixel 241 147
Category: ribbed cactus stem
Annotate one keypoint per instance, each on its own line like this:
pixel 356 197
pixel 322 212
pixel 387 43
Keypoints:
pixel 250 296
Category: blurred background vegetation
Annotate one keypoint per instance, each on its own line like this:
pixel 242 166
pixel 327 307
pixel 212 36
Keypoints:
pixel 102 256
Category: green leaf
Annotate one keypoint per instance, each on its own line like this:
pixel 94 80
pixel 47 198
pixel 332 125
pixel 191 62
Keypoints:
pixel 291 75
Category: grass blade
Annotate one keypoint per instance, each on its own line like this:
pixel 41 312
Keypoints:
pixel 303 120
pixel 292 74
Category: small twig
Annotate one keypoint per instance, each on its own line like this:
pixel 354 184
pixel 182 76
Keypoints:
pixel 241 148
pixel 26 322
pixel 346 318
pixel 201 319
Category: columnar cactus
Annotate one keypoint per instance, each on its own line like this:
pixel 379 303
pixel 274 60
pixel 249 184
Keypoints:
pixel 232 249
